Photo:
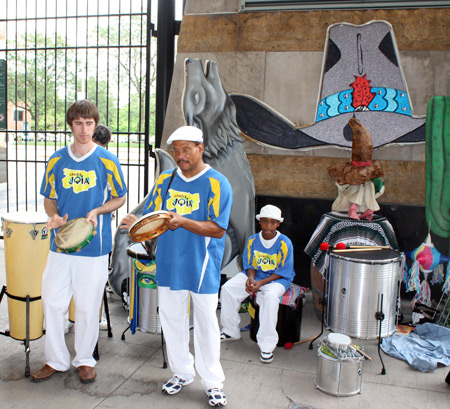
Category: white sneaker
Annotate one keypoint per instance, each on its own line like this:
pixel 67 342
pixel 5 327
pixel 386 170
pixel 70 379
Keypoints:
pixel 175 384
pixel 216 397
pixel 225 337
pixel 266 357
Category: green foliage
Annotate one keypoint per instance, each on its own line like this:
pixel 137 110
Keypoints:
pixel 47 73
pixel 38 74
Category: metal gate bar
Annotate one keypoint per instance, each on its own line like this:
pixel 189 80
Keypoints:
pixel 61 51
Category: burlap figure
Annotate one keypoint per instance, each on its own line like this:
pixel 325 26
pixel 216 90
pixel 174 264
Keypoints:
pixel 359 182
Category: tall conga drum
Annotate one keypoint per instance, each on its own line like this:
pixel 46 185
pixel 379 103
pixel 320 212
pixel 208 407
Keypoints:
pixel 361 284
pixel 27 243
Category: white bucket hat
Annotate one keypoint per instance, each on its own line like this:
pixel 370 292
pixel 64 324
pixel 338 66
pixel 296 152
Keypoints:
pixel 186 133
pixel 270 212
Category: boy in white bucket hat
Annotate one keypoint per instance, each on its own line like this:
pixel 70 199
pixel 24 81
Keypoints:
pixel 268 272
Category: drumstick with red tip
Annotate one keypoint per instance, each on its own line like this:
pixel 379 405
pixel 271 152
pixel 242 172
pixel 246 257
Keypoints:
pixel 371 248
pixel 342 246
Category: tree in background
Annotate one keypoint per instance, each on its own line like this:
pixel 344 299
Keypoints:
pixel 36 75
pixel 47 73
pixel 130 71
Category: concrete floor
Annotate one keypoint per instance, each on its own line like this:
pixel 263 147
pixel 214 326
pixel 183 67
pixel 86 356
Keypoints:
pixel 130 374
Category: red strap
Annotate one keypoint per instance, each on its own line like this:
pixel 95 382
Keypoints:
pixel 361 164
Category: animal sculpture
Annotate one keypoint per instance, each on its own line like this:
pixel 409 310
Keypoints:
pixel 207 106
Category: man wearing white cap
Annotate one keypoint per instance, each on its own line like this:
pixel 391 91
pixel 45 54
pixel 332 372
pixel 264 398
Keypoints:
pixel 188 259
pixel 268 272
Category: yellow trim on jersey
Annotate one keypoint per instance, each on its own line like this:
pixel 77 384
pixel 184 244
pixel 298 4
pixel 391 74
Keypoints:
pixel 51 180
pixel 215 199
pixel 111 166
pixel 284 251
pixel 249 253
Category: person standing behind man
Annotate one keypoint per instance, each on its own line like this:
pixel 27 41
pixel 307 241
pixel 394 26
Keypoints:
pixel 188 261
pixel 81 180
pixel 102 135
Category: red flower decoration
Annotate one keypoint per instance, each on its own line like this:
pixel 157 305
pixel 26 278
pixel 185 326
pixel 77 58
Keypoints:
pixel 361 92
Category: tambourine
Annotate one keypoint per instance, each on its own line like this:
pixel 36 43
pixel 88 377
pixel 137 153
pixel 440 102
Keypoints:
pixel 149 226
pixel 74 235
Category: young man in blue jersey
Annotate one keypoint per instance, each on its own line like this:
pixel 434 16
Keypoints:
pixel 268 272
pixel 81 180
pixel 188 262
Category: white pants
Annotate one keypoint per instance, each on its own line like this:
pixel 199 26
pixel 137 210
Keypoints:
pixel 85 279
pixel 268 298
pixel 173 311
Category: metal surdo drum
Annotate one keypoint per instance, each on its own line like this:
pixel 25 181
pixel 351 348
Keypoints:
pixel 339 366
pixel 27 243
pixel 143 297
pixel 361 284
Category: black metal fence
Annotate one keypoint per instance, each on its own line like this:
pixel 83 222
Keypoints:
pixel 58 51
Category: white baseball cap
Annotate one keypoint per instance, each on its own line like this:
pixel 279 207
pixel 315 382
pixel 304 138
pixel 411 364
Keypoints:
pixel 186 133
pixel 270 212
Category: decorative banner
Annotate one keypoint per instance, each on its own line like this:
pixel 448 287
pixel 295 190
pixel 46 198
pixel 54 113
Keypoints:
pixel 362 78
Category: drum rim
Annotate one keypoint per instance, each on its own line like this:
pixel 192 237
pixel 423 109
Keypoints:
pixel 143 256
pixel 159 214
pixel 79 245
pixel 365 260
pixel 146 216
pixel 44 216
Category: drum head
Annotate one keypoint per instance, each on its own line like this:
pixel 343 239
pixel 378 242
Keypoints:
pixel 149 226
pixel 74 235
pixel 375 256
pixel 338 341
pixel 25 217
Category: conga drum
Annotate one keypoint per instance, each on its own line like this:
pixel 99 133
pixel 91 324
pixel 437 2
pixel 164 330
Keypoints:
pixel 361 284
pixel 27 243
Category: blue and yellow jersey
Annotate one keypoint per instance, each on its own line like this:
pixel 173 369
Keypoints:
pixel 80 184
pixel 278 259
pixel 184 260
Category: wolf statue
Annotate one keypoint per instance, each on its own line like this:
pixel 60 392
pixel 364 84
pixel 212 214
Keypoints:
pixel 207 106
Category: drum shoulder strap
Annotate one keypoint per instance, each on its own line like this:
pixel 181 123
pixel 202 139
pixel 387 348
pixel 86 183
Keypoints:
pixel 168 186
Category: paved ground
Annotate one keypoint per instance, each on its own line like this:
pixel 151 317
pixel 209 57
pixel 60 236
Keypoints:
pixel 130 374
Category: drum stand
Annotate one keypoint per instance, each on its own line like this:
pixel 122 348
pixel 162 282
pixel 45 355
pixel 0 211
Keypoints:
pixel 26 341
pixel 108 322
pixel 323 301
pixel 162 342
pixel 380 317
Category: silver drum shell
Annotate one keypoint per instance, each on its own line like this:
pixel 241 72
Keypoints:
pixel 338 377
pixel 356 283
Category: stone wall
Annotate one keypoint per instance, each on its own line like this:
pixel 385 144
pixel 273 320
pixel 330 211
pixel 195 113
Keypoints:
pixel 277 58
